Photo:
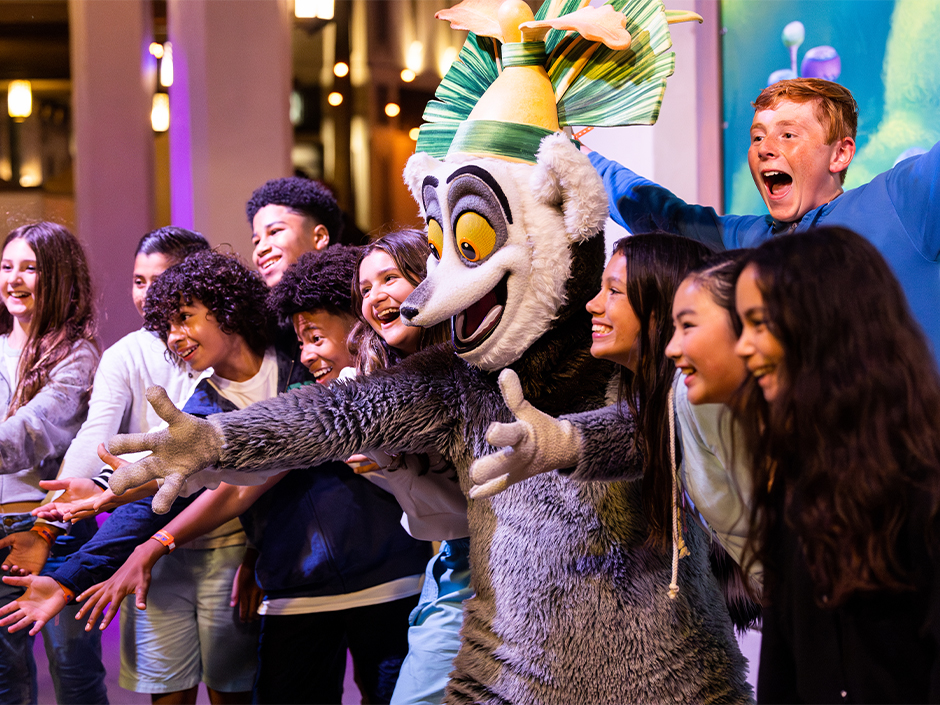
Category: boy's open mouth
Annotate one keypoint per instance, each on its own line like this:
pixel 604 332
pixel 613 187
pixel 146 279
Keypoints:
pixel 474 324
pixel 776 182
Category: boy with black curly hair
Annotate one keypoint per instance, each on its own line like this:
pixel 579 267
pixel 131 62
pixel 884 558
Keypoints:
pixel 335 566
pixel 289 217
pixel 314 295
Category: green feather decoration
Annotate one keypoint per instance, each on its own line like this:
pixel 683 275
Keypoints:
pixel 594 85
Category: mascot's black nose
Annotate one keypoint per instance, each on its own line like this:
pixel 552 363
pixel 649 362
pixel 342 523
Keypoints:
pixel 408 312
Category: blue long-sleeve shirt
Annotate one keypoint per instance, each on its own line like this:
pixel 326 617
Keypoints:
pixel 898 212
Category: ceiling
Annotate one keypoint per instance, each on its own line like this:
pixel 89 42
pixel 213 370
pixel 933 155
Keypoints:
pixel 34 39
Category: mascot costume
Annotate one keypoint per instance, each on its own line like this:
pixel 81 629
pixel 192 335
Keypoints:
pixel 572 603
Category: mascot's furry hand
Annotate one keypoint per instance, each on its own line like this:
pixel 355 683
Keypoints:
pixel 185 447
pixel 537 443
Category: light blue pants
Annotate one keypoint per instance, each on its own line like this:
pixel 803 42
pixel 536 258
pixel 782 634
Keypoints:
pixel 434 634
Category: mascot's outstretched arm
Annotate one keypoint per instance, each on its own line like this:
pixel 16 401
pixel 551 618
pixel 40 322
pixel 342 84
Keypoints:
pixel 594 445
pixel 406 410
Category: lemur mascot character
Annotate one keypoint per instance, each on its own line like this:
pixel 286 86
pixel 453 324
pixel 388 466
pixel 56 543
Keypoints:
pixel 571 602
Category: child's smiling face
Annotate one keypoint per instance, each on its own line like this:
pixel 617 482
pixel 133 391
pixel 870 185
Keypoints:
pixel 322 337
pixel 702 346
pixel 760 349
pixel 384 289
pixel 195 336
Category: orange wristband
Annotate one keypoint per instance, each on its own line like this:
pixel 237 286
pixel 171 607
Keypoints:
pixel 166 538
pixel 69 594
pixel 48 534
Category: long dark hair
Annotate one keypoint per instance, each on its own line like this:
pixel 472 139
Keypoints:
pixel 64 306
pixel 854 431
pixel 409 250
pixel 717 275
pixel 656 265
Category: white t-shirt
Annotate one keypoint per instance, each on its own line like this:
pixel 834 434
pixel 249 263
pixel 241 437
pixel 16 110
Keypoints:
pixel 434 506
pixel 260 387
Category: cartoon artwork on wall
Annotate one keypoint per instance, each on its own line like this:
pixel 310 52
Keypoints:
pixel 884 51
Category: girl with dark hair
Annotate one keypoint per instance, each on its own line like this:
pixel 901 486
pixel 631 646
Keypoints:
pixel 49 355
pixel 714 472
pixel 844 429
pixel 632 325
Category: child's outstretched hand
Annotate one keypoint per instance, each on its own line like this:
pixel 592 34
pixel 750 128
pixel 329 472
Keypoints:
pixel 132 578
pixel 536 443
pixel 42 601
pixel 28 553
pixel 75 492
pixel 185 447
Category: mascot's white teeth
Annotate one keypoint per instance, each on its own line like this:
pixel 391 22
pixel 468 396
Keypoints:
pixel 485 327
pixel 474 324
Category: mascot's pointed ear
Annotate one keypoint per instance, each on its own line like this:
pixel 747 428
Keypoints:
pixel 563 177
pixel 419 165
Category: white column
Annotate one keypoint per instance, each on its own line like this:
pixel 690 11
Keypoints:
pixel 229 110
pixel 111 94
pixel 682 151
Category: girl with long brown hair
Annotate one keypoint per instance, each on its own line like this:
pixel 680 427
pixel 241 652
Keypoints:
pixel 48 356
pixel 844 429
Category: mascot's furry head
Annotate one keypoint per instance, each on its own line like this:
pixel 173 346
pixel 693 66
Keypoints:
pixel 500 236
pixel 513 193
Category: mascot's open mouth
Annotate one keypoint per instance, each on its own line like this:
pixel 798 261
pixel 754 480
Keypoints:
pixel 474 324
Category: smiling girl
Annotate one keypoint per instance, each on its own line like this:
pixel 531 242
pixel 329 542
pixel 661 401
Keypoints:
pixel 49 355
pixel 714 470
pixel 389 270
pixel 632 326
pixel 844 430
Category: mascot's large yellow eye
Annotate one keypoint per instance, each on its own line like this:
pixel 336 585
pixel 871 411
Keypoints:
pixel 475 236
pixel 435 238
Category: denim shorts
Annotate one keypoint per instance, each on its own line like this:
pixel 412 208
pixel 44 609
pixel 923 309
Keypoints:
pixel 188 633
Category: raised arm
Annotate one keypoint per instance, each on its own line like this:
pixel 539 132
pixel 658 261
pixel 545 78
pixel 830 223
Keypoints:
pixel 914 188
pixel 299 429
pixel 209 511
pixel 641 205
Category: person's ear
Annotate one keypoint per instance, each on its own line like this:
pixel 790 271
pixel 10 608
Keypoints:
pixel 842 155
pixel 321 237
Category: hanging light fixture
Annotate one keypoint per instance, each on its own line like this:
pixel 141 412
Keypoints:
pixel 160 112
pixel 310 9
pixel 166 66
pixel 19 100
